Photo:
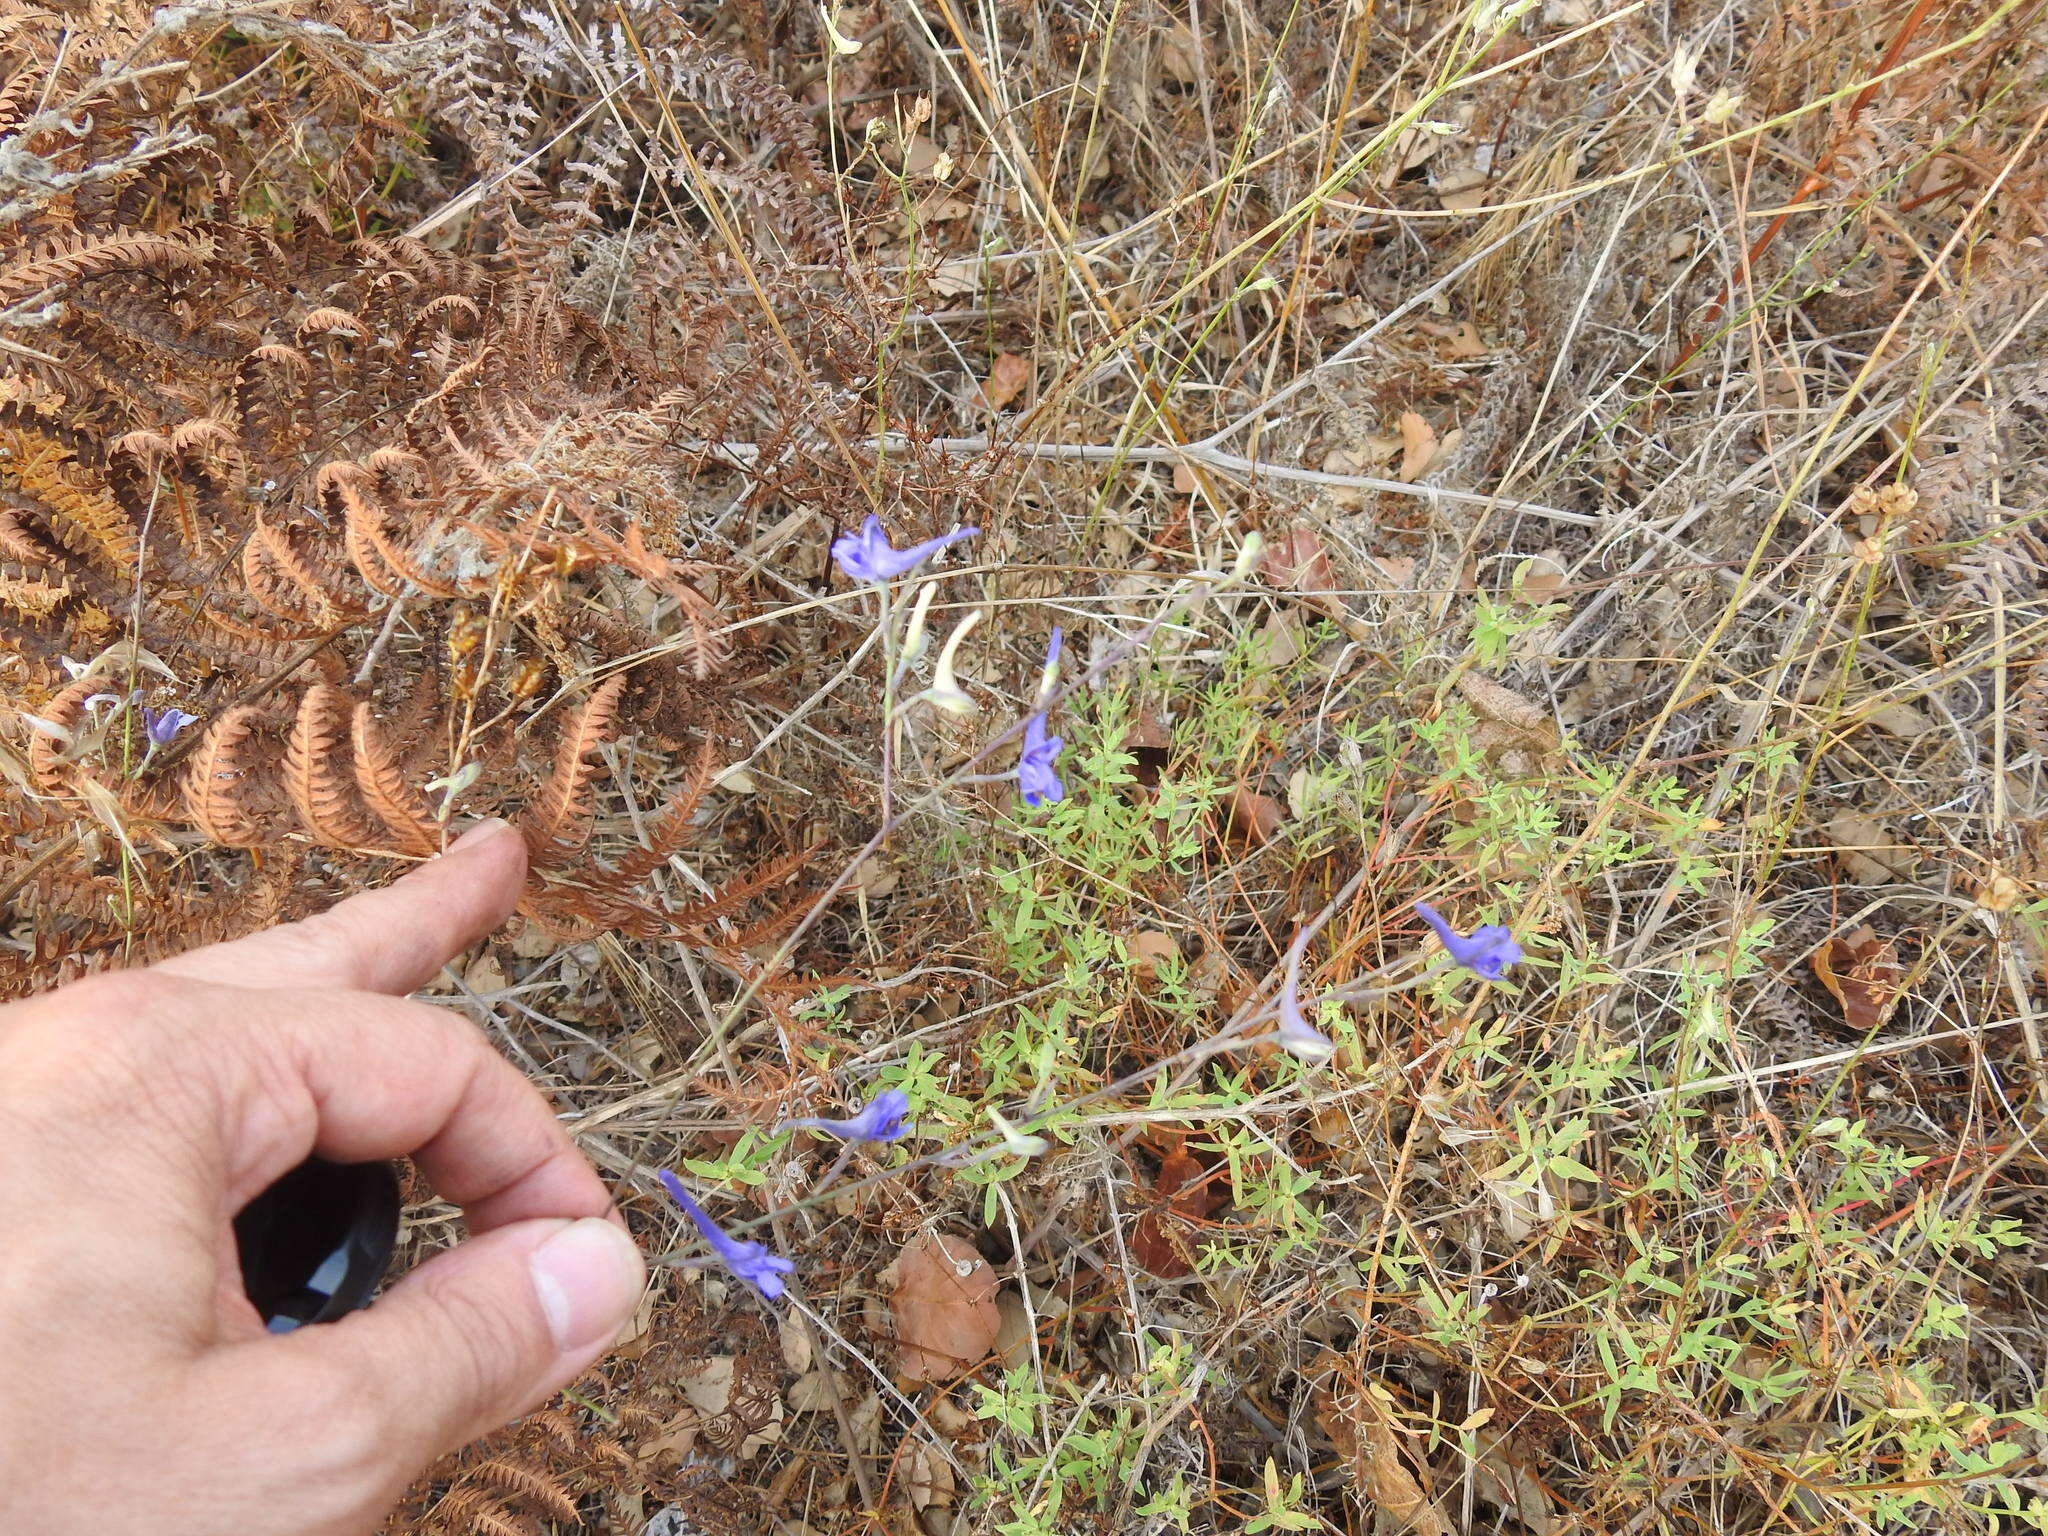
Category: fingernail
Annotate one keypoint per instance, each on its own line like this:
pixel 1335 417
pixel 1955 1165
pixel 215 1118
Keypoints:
pixel 588 1278
pixel 483 831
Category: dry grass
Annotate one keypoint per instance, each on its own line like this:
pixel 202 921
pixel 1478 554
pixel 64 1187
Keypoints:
pixel 1644 410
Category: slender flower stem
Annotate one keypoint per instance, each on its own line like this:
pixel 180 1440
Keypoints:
pixel 883 621
pixel 985 1146
pixel 1201 585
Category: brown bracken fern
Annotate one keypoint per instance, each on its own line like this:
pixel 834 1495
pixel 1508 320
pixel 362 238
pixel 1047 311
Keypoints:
pixel 413 532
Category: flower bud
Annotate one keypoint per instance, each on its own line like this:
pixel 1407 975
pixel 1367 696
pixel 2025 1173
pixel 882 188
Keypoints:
pixel 945 691
pixel 913 634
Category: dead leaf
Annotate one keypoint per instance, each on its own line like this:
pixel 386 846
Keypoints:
pixel 793 1334
pixel 1357 1414
pixel 1901 720
pixel 1513 1485
pixel 1297 559
pixel 1869 854
pixel 1179 53
pixel 874 877
pixel 928 1475
pixel 921 156
pixel 1184 1193
pixel 945 1305
pixel 1862 971
pixel 1418 446
pixel 1255 817
pixel 951 279
pixel 1006 377
pixel 1399 570
pixel 678 1436
pixel 1013 1331
pixel 1149 949
pixel 707 1383
pixel 815 1391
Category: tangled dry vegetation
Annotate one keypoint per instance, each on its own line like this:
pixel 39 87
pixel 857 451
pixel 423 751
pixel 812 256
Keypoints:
pixel 1645 412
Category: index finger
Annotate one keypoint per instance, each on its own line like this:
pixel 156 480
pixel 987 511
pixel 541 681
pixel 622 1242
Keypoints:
pixel 199 1096
pixel 389 940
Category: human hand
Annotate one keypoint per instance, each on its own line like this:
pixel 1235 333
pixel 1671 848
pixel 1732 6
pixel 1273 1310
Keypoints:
pixel 139 1111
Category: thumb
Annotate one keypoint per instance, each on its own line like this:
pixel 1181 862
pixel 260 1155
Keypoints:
pixel 471 1339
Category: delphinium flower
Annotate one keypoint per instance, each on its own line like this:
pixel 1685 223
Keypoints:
pixel 1036 781
pixel 885 1119
pixel 1298 1037
pixel 751 1261
pixel 99 701
pixel 868 556
pixel 1035 778
pixel 1485 951
pixel 160 725
pixel 1049 674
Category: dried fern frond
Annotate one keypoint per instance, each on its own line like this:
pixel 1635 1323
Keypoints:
pixel 557 821
pixel 370 503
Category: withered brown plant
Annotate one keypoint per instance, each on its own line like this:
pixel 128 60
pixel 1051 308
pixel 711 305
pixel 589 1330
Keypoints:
pixel 412 533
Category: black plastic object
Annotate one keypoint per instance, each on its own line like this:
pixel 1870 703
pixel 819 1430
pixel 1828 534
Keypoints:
pixel 315 1244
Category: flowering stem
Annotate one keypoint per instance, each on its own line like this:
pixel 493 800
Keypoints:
pixel 1202 585
pixel 985 1146
pixel 885 622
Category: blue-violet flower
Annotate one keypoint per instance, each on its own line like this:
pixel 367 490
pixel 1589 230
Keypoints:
pixel 1298 1037
pixel 869 556
pixel 1040 785
pixel 1049 676
pixel 885 1119
pixel 160 725
pixel 752 1262
pixel 1486 952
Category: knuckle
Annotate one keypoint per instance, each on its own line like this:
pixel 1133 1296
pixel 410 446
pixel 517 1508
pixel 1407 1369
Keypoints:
pixel 316 942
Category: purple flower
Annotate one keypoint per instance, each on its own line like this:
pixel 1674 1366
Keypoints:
pixel 1041 786
pixel 883 1120
pixel 1487 952
pixel 869 556
pixel 1049 676
pixel 1298 1037
pixel 752 1262
pixel 160 725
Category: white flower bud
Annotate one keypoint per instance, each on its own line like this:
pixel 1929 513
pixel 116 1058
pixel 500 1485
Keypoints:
pixel 913 636
pixel 945 691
